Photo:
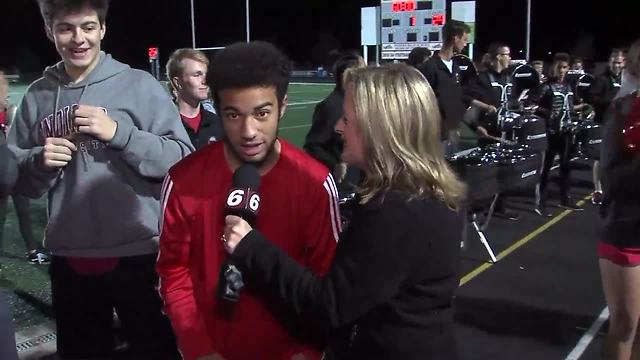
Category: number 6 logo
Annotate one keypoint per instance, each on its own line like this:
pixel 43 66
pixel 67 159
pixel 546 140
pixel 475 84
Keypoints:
pixel 254 202
pixel 235 198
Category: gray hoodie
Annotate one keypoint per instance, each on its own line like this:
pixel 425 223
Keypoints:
pixel 105 201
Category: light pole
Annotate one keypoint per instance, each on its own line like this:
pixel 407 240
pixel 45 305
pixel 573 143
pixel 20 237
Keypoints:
pixel 528 46
pixel 193 28
pixel 247 21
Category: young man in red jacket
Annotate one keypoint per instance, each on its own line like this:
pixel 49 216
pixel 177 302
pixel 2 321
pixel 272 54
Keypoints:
pixel 298 207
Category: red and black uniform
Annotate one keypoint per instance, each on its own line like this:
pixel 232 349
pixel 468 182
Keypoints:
pixel 620 210
pixel 298 210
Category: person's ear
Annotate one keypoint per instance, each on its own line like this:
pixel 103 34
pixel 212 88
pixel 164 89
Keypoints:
pixel 176 83
pixel 103 30
pixel 49 33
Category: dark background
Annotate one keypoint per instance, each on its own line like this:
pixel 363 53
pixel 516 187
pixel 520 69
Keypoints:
pixel 309 29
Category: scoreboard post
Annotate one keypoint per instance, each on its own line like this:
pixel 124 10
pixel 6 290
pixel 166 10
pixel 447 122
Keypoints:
pixel 154 61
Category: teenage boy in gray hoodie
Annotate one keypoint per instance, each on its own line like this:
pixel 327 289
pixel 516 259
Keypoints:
pixel 98 137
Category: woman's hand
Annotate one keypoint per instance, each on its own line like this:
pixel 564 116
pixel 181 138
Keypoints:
pixel 235 229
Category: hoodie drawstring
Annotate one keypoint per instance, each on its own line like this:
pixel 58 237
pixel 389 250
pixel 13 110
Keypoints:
pixel 85 160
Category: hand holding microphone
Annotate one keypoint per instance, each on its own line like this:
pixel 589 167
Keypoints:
pixel 242 205
pixel 235 229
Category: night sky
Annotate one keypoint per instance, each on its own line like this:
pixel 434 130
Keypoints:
pixel 308 29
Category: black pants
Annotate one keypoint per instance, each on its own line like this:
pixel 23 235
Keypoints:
pixel 23 213
pixel 559 144
pixel 84 304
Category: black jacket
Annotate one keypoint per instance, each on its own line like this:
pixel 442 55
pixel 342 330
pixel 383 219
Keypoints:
pixel 210 129
pixel 446 86
pixel 604 88
pixel 394 276
pixel 322 142
pixel 620 210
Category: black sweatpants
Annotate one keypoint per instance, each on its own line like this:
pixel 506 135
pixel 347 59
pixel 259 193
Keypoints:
pixel 559 144
pixel 84 304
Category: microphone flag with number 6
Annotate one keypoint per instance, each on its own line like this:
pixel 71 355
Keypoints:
pixel 243 199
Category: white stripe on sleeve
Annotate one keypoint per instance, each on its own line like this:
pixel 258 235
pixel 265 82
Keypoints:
pixel 330 187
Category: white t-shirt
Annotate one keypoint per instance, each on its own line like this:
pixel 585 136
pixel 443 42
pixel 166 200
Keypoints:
pixel 449 64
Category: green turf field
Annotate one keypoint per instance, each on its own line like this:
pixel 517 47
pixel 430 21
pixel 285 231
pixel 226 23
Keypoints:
pixel 302 100
pixel 31 294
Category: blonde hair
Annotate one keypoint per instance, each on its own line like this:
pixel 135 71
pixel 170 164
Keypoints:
pixel 399 119
pixel 174 64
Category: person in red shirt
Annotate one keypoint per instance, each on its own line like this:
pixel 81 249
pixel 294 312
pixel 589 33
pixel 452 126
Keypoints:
pixel 298 207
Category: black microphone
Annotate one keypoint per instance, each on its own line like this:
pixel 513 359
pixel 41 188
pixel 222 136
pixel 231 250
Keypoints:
pixel 243 201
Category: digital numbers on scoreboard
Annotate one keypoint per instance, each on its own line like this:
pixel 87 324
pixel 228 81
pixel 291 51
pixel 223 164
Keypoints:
pixel 409 24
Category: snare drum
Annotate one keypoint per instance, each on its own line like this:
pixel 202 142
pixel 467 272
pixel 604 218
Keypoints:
pixel 530 130
pixel 518 166
pixel 480 172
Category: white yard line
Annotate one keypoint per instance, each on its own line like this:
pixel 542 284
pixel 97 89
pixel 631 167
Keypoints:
pixel 587 338
pixel 303 91
pixel 304 102
pixel 313 84
pixel 295 127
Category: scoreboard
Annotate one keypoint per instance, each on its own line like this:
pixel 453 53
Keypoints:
pixel 409 24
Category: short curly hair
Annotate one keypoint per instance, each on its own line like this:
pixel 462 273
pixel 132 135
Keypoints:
pixel 49 9
pixel 245 65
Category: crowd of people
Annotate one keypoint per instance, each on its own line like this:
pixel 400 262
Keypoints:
pixel 144 192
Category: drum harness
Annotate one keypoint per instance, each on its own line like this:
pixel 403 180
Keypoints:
pixel 505 93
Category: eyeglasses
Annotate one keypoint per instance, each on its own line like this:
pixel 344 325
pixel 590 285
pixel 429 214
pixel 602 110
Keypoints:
pixel 505 54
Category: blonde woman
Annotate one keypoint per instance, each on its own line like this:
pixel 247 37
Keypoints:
pixel 395 272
